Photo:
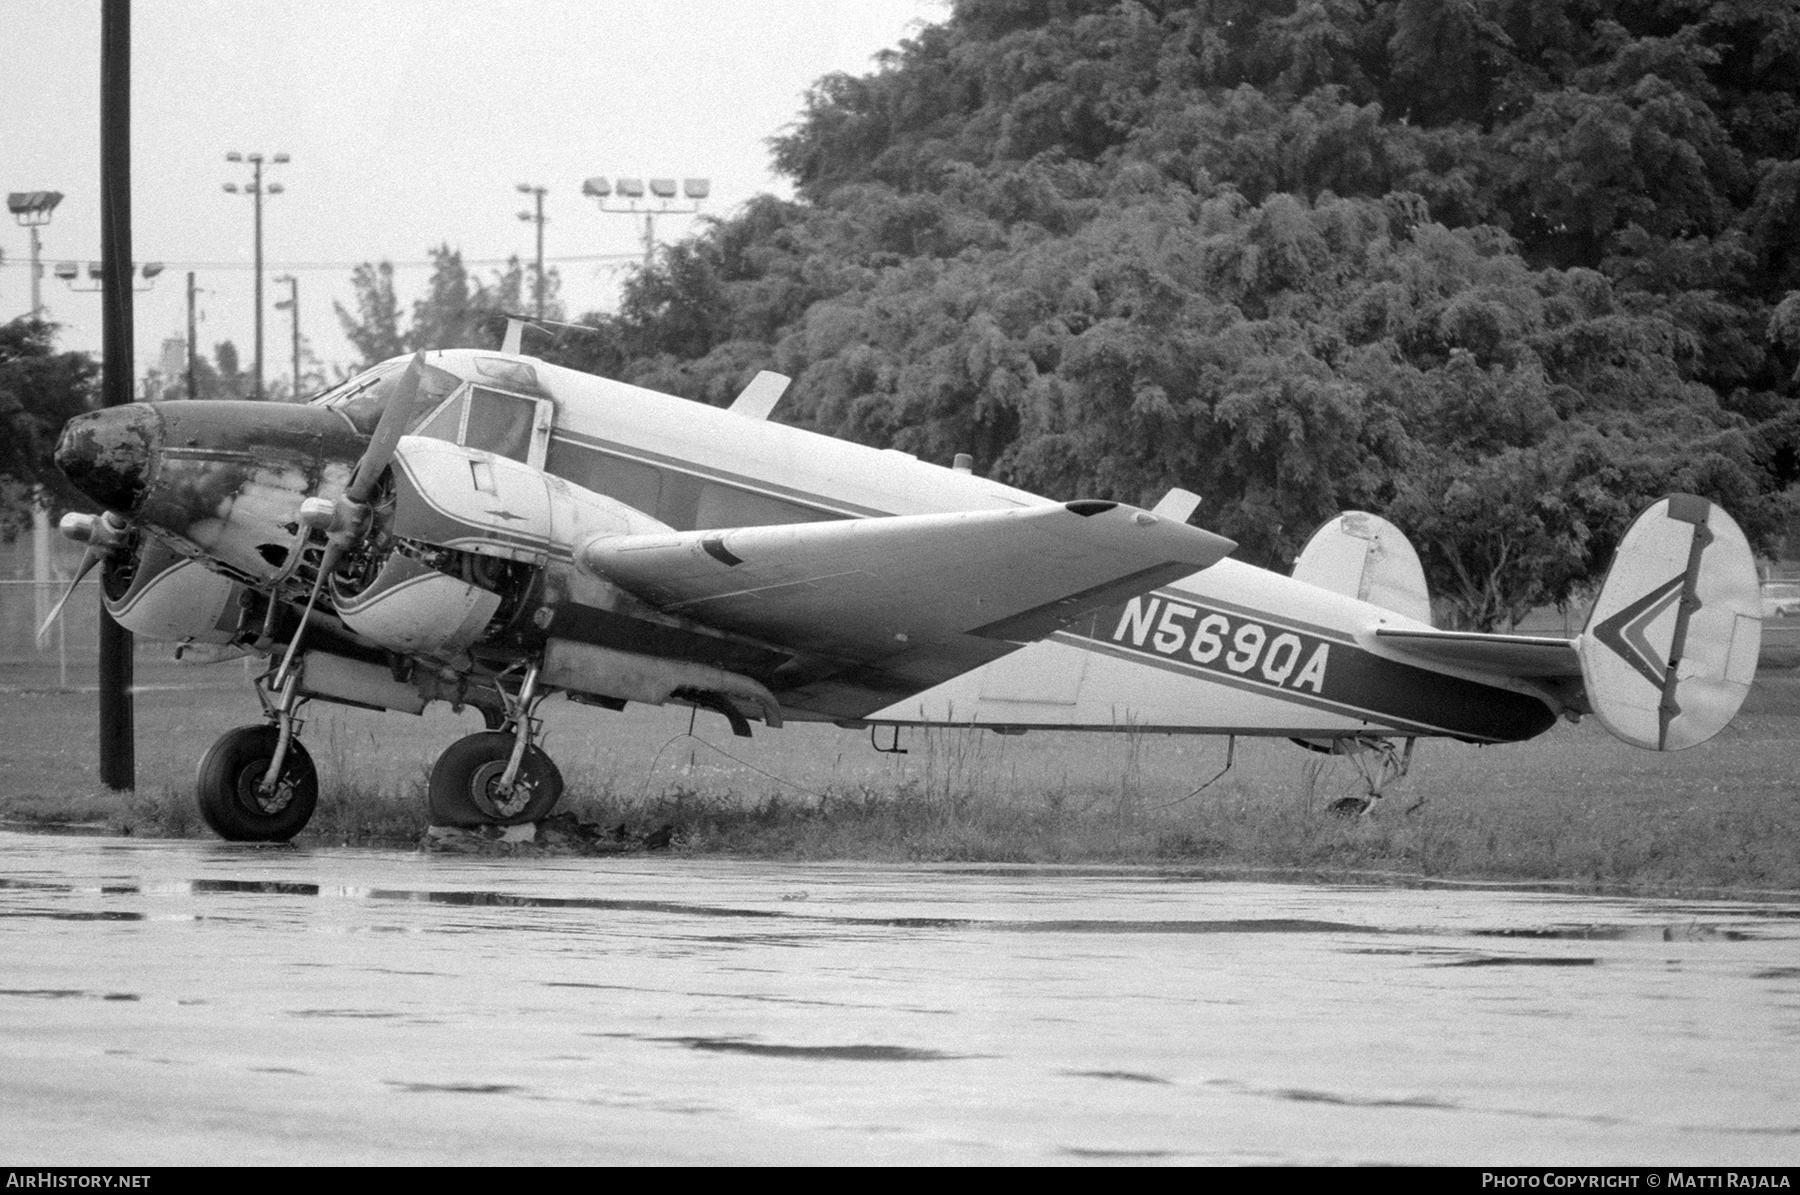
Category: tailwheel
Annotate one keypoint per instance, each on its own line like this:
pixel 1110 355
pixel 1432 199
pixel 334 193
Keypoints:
pixel 466 786
pixel 238 805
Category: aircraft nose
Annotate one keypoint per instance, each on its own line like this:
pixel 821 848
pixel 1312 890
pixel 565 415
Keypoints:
pixel 108 454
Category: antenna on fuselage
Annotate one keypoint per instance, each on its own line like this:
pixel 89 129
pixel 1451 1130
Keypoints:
pixel 516 325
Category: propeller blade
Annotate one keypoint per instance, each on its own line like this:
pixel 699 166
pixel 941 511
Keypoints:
pixel 89 559
pixel 394 418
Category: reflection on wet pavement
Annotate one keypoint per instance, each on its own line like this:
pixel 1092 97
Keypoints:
pixel 195 1002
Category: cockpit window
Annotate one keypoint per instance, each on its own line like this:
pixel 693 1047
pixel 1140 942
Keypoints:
pixel 362 397
pixel 446 424
pixel 500 423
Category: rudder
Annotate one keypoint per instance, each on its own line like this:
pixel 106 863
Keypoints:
pixel 1670 648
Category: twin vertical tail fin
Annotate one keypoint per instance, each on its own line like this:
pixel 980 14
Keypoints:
pixel 1670 648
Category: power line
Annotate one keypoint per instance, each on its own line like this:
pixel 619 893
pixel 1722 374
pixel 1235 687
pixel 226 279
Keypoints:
pixel 351 265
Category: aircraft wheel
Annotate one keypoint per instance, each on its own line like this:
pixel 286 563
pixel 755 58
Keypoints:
pixel 464 788
pixel 229 775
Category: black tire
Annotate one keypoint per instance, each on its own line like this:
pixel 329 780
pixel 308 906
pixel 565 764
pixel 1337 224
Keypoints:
pixel 229 775
pixel 462 783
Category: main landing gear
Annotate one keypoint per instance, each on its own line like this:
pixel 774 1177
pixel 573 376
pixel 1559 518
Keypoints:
pixel 498 777
pixel 257 783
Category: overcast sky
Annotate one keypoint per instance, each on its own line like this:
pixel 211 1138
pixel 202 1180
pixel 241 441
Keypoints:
pixel 410 123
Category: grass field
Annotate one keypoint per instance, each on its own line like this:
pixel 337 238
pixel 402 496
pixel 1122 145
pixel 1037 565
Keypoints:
pixel 1573 806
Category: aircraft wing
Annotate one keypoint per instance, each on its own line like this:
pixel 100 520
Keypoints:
pixel 947 591
pixel 1537 656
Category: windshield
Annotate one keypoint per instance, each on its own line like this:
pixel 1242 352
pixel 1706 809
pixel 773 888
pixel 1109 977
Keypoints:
pixel 362 399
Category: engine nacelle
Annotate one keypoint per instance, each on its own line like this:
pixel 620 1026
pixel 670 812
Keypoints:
pixel 161 594
pixel 413 608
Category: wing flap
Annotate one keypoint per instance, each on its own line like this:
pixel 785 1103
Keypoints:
pixel 1536 656
pixel 954 587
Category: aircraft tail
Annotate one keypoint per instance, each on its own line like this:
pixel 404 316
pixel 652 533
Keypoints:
pixel 1670 648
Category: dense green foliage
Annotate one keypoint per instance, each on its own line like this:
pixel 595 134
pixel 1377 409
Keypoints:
pixel 40 390
pixel 1502 270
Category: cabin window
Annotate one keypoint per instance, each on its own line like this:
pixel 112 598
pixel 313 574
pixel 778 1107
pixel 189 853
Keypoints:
pixel 637 485
pixel 728 506
pixel 500 423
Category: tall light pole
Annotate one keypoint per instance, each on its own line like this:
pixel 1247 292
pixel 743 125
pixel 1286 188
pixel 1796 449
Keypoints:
pixel 660 203
pixel 538 219
pixel 32 209
pixel 291 304
pixel 255 189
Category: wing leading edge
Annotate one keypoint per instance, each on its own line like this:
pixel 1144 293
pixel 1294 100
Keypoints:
pixel 947 592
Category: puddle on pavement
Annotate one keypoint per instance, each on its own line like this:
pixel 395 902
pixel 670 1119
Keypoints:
pixel 1527 961
pixel 457 1088
pixel 66 994
pixel 849 1053
pixel 1685 931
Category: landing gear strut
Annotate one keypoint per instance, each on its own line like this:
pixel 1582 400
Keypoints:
pixel 498 777
pixel 257 783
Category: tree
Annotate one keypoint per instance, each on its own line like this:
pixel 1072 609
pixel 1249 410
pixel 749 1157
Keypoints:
pixel 40 390
pixel 375 328
pixel 1450 262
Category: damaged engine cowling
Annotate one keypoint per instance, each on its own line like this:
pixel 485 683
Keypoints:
pixel 455 542
pixel 154 591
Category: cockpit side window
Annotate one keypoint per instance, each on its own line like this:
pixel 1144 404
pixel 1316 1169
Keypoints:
pixel 445 424
pixel 500 423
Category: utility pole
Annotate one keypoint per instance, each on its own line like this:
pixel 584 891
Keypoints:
pixel 538 219
pixel 118 763
pixel 256 191
pixel 192 350
pixel 291 304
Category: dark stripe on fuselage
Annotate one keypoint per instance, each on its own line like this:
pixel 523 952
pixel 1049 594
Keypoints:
pixel 1317 667
pixel 688 468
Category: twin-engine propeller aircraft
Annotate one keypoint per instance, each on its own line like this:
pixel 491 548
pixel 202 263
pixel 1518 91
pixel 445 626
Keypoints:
pixel 486 529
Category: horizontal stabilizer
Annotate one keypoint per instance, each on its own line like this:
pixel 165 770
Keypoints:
pixel 1507 655
pixel 951 590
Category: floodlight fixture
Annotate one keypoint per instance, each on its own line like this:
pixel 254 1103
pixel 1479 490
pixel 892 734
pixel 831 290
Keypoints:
pixel 32 207
pixel 151 269
pixel 94 274
pixel 234 156
pixel 67 271
pixel 275 188
pixel 278 159
pixel 663 190
pixel 231 188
